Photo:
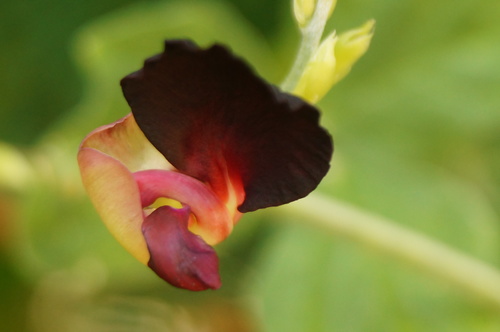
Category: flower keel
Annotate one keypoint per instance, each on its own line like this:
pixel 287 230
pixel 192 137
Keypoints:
pixel 178 256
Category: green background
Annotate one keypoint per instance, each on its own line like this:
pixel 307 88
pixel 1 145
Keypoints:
pixel 417 132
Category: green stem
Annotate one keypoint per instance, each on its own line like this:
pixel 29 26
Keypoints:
pixel 459 269
pixel 311 37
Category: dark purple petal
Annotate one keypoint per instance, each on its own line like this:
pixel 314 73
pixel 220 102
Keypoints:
pixel 214 119
pixel 178 256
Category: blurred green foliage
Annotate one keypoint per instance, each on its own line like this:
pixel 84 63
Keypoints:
pixel 39 79
pixel 417 132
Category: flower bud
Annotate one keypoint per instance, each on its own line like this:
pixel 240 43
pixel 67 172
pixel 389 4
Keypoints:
pixel 318 76
pixel 350 47
pixel 304 9
pixel 332 61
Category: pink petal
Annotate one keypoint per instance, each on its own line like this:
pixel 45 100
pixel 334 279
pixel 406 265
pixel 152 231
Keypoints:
pixel 213 220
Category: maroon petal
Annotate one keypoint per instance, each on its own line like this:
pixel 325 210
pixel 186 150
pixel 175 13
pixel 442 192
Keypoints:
pixel 214 119
pixel 177 255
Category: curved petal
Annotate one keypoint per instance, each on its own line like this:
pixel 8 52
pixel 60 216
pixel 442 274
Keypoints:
pixel 213 220
pixel 215 120
pixel 115 195
pixel 123 140
pixel 177 255
pixel 107 156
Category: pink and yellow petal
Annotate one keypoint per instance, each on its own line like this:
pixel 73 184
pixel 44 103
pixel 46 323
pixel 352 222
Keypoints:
pixel 115 195
pixel 123 140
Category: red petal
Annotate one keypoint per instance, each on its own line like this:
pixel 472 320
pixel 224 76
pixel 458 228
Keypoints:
pixel 215 120
pixel 177 255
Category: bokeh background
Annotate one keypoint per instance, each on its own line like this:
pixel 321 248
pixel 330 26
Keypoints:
pixel 417 132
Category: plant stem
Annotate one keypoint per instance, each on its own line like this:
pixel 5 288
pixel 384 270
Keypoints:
pixel 459 269
pixel 311 37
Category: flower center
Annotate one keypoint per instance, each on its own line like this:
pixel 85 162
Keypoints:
pixel 211 218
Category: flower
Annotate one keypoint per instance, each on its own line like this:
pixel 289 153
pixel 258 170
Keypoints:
pixel 207 140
